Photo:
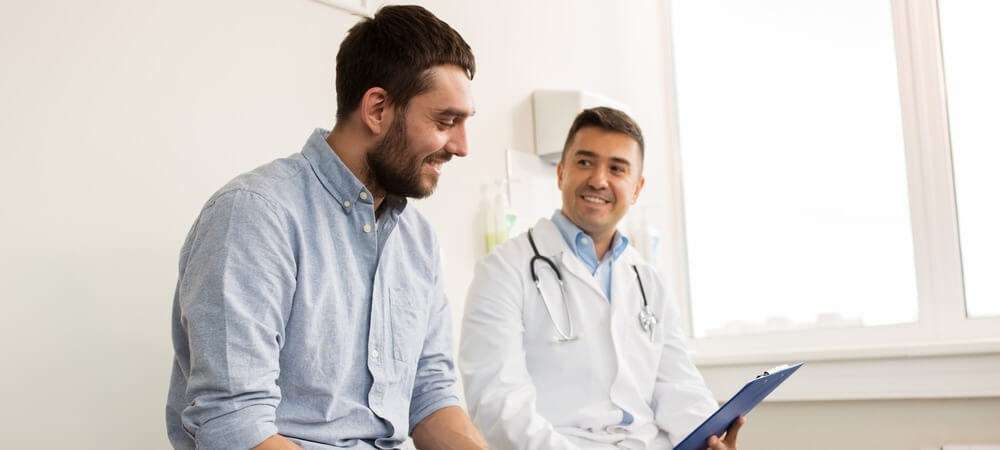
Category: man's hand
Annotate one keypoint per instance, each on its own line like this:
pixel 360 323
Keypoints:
pixel 448 429
pixel 728 441
pixel 277 442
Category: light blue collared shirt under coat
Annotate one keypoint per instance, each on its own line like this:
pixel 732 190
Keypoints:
pixel 583 247
pixel 297 313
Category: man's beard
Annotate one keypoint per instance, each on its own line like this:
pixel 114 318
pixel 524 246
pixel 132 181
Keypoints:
pixel 394 169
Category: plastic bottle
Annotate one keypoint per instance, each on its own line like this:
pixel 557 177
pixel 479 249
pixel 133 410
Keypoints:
pixel 500 217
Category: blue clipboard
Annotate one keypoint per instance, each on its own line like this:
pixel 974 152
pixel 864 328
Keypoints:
pixel 741 403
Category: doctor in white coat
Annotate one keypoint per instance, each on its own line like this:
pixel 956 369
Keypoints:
pixel 600 363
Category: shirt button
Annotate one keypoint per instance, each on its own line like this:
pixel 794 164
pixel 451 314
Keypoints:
pixel 363 195
pixel 367 228
pixel 374 354
pixel 347 203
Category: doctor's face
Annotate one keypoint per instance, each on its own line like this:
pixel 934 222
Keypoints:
pixel 600 177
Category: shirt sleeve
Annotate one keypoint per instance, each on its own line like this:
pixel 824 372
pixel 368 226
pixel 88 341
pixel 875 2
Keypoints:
pixel 434 383
pixel 681 399
pixel 498 386
pixel 234 295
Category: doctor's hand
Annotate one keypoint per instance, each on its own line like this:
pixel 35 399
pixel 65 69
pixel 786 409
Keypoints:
pixel 728 441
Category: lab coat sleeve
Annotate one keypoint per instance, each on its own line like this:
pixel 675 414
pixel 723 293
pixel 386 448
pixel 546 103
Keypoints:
pixel 498 387
pixel 681 400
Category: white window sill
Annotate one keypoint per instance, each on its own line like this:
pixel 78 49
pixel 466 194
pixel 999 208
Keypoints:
pixel 965 369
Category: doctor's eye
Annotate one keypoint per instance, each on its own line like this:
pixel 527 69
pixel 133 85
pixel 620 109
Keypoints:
pixel 583 163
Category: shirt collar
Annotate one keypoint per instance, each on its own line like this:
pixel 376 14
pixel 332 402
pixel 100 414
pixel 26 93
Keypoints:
pixel 581 244
pixel 338 180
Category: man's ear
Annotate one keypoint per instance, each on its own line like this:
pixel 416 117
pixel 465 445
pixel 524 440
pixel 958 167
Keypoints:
pixel 376 110
pixel 638 188
pixel 559 174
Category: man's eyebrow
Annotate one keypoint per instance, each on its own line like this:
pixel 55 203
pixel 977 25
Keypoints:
pixel 455 112
pixel 621 161
pixel 590 154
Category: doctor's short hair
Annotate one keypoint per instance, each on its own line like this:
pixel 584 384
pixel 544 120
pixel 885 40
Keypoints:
pixel 394 50
pixel 609 119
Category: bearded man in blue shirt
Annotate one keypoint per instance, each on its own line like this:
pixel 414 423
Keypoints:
pixel 309 310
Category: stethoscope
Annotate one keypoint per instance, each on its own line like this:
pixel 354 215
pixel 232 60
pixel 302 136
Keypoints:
pixel 647 320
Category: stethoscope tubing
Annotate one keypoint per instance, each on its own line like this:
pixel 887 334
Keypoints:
pixel 569 335
pixel 563 336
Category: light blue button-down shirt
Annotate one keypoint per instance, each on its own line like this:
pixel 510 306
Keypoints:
pixel 583 247
pixel 297 312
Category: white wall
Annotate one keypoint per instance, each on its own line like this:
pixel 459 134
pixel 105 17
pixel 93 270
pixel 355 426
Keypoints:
pixel 118 118
pixel 873 425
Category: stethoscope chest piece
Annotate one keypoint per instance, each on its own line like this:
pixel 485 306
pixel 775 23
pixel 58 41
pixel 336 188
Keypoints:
pixel 647 320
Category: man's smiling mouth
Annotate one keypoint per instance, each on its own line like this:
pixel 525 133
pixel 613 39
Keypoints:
pixel 595 199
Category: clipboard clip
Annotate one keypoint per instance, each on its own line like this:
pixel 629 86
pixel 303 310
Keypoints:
pixel 774 369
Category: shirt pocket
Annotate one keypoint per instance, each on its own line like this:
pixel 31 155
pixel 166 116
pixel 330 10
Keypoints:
pixel 408 323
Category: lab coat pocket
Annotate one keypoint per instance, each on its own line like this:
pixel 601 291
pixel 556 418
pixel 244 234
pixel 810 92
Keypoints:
pixel 408 323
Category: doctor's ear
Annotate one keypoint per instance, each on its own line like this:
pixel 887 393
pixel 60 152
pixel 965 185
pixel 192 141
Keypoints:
pixel 638 188
pixel 375 110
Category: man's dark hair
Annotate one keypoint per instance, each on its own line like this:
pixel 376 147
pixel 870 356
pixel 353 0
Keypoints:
pixel 609 119
pixel 394 50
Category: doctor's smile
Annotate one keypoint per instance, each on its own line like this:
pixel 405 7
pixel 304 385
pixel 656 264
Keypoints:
pixel 596 199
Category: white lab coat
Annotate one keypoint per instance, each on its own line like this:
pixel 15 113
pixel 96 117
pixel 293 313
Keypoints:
pixel 526 391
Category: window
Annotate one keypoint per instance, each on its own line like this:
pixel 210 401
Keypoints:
pixel 794 166
pixel 969 36
pixel 821 206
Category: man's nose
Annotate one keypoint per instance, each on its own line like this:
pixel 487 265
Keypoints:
pixel 598 179
pixel 458 144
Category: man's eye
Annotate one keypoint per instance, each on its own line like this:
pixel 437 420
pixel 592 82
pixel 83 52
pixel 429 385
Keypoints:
pixel 618 169
pixel 444 124
pixel 583 162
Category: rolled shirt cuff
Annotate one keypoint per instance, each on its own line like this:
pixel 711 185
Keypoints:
pixel 420 412
pixel 244 429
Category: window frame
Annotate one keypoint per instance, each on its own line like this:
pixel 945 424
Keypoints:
pixel 913 360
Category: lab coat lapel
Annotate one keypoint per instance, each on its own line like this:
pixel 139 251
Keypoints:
pixel 551 243
pixel 627 298
pixel 624 294
pixel 576 269
pixel 634 362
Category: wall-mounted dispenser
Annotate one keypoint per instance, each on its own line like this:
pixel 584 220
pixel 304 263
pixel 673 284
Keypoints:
pixel 554 113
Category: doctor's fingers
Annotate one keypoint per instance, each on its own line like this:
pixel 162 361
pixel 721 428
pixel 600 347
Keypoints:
pixel 714 443
pixel 733 432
